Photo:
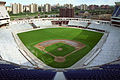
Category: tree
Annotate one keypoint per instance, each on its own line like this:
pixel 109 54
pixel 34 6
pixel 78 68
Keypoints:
pixel 39 9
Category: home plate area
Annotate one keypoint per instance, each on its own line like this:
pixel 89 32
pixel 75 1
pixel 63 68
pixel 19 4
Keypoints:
pixel 59 48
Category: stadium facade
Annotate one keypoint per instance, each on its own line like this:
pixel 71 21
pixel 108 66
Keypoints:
pixel 116 15
pixel 18 63
pixel 4 16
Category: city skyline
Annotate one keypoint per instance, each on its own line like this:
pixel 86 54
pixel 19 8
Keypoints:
pixel 61 2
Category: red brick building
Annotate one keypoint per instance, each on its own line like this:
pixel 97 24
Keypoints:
pixel 104 6
pixel 66 12
pixel 92 7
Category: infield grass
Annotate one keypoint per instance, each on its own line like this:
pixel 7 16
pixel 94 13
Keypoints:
pixel 54 49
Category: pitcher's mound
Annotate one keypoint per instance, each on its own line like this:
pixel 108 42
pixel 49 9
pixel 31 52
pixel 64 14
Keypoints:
pixel 60 49
pixel 59 59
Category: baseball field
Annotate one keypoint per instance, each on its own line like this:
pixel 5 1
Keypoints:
pixel 60 47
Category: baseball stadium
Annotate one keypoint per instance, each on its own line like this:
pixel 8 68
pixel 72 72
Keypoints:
pixel 59 48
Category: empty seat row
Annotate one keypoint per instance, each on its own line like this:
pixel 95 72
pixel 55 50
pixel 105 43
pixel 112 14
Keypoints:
pixel 92 74
pixel 111 66
pixel 12 72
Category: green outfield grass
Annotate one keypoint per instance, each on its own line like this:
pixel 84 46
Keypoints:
pixel 31 38
pixel 66 49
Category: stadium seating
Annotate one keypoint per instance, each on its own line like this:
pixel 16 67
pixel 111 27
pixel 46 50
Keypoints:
pixel 118 13
pixel 112 45
pixel 9 49
pixel 43 23
pixel 77 23
pixel 20 27
pixel 111 66
pixel 115 18
pixel 116 8
pixel 7 66
pixel 3 13
pixel 4 16
pixel 92 74
pixel 12 72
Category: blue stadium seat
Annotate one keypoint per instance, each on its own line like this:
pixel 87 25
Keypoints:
pixel 118 13
pixel 8 66
pixel 116 8
pixel 92 74
pixel 11 72
pixel 111 66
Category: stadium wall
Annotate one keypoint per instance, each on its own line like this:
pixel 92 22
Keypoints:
pixel 4 16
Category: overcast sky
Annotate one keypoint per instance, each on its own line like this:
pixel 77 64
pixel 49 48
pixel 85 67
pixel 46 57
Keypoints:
pixel 74 2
